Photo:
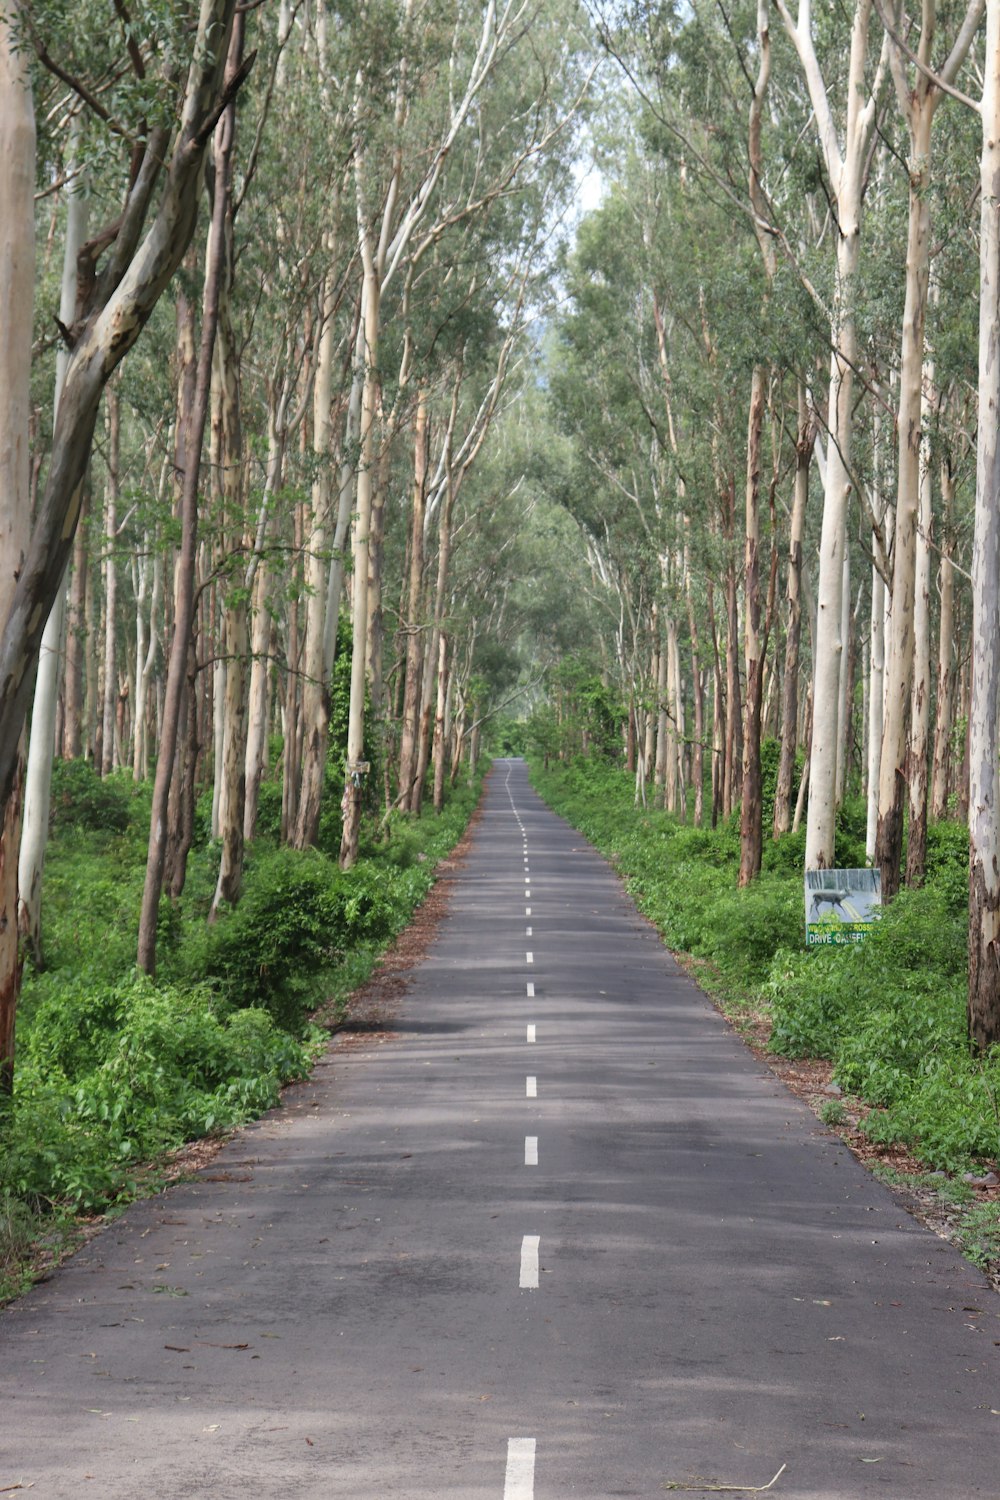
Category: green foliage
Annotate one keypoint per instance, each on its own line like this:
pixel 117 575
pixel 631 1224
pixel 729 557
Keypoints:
pixel 296 915
pixel 832 1112
pixel 979 1234
pixel 81 799
pixel 509 736
pixel 743 928
pixel 112 1076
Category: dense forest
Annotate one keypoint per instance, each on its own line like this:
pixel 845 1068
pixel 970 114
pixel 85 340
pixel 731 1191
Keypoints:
pixel 385 385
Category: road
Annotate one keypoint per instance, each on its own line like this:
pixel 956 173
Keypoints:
pixel 561 1236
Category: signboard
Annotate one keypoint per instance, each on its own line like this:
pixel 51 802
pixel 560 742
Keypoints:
pixel 841 905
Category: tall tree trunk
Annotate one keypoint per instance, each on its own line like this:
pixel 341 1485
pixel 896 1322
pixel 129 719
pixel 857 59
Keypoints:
pixel 41 746
pixel 235 637
pixel 751 829
pixel 260 666
pixel 440 726
pixel 698 749
pixel 184 593
pixel 316 684
pixel 17 291
pixel 354 779
pixel 947 657
pixel 920 705
pixel 734 709
pixel 899 653
pixel 110 583
pixel 805 440
pixel 847 169
pixel 662 717
pixel 73 690
pixel 140 764
pixel 984 707
pixel 414 635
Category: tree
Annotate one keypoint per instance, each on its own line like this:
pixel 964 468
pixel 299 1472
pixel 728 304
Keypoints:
pixel 17 290
pixel 984 707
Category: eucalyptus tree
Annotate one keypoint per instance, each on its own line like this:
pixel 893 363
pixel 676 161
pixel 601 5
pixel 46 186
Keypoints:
pixel 846 157
pixel 41 746
pixel 984 713
pixel 171 108
pixel 921 82
pixel 17 289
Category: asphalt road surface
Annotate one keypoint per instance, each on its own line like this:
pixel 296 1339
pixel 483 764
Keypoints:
pixel 562 1236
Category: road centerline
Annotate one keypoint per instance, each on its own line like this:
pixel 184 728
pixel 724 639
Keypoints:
pixel 529 1263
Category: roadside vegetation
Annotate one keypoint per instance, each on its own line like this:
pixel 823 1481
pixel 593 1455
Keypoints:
pixel 117 1070
pixel 889 1013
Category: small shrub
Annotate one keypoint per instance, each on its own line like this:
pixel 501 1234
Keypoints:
pixel 274 948
pixel 743 928
pixel 82 799
pixel 832 1112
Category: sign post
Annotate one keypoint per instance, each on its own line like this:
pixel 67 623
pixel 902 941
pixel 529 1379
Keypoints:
pixel 841 905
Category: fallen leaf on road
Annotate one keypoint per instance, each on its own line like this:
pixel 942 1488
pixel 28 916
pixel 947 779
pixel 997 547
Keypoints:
pixel 177 1348
pixel 743 1489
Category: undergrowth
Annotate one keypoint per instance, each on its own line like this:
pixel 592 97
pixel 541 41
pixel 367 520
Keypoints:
pixel 888 1012
pixel 115 1070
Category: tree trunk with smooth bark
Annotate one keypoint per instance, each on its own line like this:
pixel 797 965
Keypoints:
pixel 984 705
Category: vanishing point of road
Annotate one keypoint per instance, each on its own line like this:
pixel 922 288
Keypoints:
pixel 560 1236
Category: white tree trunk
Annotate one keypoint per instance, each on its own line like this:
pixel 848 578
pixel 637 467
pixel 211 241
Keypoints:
pixel 945 701
pixel 984 741
pixel 17 291
pixel 353 784
pixel 260 638
pixel 846 168
pixel 315 687
pixel 41 745
pixel 110 587
pixel 920 699
pixel 830 644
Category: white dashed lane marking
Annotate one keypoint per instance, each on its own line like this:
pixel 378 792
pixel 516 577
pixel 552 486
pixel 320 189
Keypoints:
pixel 531 990
pixel 531 1087
pixel 531 1151
pixel 529 1262
pixel 520 1481
pixel 531 1032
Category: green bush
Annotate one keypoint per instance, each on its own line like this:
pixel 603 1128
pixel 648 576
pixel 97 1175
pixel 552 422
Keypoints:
pixel 743 928
pixel 948 864
pixel 274 949
pixel 82 799
pixel 151 1067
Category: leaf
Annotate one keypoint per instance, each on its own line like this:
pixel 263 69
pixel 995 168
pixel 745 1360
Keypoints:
pixel 742 1489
